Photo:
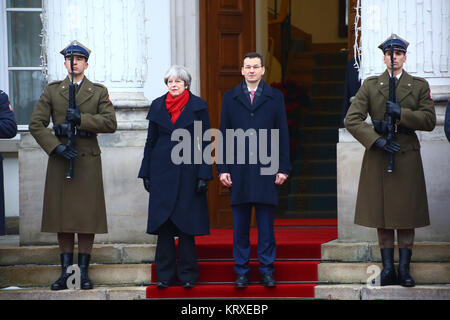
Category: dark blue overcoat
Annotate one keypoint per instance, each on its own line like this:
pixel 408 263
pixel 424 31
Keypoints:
pixel 447 122
pixel 8 129
pixel 267 112
pixel 8 126
pixel 173 186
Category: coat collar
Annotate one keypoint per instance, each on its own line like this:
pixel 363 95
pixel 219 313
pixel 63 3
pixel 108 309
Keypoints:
pixel 85 93
pixel 404 87
pixel 240 95
pixel 159 114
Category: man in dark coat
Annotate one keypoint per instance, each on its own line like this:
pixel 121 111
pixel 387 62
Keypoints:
pixel 395 200
pixel 249 109
pixel 447 121
pixel 8 130
pixel 74 205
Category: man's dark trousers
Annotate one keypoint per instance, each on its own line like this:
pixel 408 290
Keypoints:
pixel 266 238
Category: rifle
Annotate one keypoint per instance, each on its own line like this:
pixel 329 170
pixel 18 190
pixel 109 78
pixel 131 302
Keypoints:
pixel 390 120
pixel 71 126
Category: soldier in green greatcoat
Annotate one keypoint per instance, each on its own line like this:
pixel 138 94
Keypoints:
pixel 397 200
pixel 76 205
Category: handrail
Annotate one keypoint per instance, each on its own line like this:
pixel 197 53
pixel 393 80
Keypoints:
pixel 284 10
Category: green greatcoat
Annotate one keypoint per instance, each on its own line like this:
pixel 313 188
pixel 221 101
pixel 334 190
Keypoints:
pixel 76 206
pixel 395 200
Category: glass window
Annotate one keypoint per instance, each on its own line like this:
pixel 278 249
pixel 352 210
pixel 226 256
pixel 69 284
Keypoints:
pixel 26 81
pixel 24 4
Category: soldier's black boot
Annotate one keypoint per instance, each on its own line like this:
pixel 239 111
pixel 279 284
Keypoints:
pixel 388 277
pixel 404 277
pixel 66 262
pixel 83 263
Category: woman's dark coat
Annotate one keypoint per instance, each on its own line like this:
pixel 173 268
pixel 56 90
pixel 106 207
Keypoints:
pixel 267 112
pixel 173 186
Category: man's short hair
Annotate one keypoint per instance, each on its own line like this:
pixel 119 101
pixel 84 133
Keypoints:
pixel 252 55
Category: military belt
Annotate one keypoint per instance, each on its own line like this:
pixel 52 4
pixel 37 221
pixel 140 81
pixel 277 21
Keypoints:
pixel 61 131
pixel 404 130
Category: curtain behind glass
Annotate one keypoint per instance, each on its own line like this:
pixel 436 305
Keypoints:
pixel 24 51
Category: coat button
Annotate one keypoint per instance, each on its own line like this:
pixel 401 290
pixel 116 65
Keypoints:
pixel 252 114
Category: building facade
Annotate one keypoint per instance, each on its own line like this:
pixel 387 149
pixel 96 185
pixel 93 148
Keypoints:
pixel 134 42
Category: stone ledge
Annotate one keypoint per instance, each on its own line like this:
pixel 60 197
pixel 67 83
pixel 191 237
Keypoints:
pixel 362 292
pixel 353 273
pixel 101 293
pixel 37 276
pixel 370 251
pixel 49 255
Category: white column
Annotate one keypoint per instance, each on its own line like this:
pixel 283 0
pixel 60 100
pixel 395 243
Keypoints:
pixel 185 38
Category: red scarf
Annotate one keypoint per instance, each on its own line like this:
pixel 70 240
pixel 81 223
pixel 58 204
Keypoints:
pixel 176 105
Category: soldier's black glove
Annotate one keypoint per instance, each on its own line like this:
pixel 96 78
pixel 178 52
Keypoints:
pixel 391 147
pixel 394 109
pixel 65 152
pixel 73 116
pixel 380 127
pixel 202 186
pixel 146 184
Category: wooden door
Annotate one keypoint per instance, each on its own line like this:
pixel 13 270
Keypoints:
pixel 227 33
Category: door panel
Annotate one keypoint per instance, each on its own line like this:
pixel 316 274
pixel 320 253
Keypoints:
pixel 227 33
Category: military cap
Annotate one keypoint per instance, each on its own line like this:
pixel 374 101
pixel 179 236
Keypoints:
pixel 395 41
pixel 77 49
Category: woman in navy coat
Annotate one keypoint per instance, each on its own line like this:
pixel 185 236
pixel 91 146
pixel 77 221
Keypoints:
pixel 178 201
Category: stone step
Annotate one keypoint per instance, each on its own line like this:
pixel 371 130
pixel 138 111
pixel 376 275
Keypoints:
pixel 101 254
pixel 370 251
pixel 327 88
pixel 319 151
pixel 312 202
pixel 313 185
pixel 320 119
pixel 330 104
pixel 357 272
pixel 318 168
pixel 100 274
pixel 100 293
pixel 307 214
pixel 317 135
pixel 363 292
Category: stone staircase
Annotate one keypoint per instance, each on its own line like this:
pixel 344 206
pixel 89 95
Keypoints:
pixel 118 272
pixel 345 266
pixel 312 192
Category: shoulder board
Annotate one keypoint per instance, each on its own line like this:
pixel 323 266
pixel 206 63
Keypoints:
pixel 54 83
pixel 420 79
pixel 372 78
pixel 99 85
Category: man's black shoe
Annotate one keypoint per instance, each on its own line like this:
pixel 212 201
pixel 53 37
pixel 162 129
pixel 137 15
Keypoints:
pixel 162 285
pixel 241 282
pixel 188 285
pixel 267 280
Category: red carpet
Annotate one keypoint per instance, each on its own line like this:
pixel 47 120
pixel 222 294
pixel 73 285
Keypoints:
pixel 298 255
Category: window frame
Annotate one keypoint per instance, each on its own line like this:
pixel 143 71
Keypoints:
pixel 4 64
